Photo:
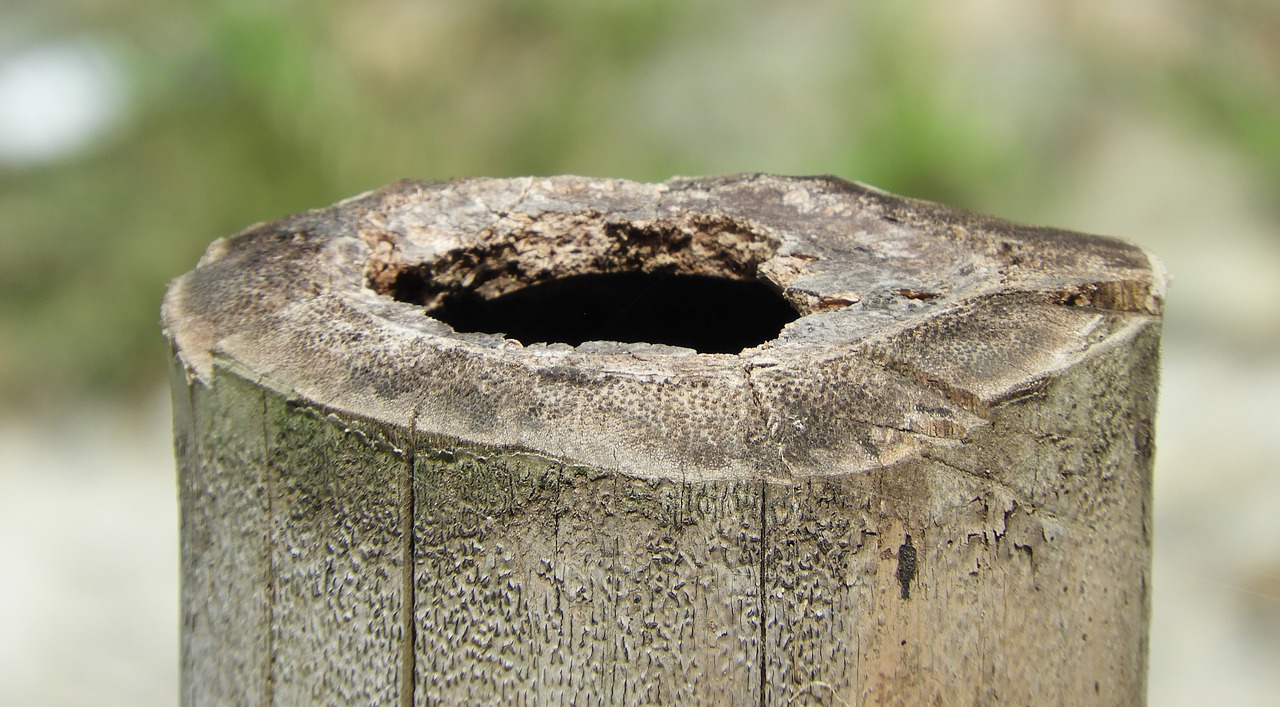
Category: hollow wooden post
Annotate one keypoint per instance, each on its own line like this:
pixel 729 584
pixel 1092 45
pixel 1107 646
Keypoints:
pixel 932 487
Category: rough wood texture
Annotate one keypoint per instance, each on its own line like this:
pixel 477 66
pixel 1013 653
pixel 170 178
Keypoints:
pixel 932 488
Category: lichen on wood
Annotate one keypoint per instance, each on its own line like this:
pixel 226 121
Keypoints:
pixel 932 486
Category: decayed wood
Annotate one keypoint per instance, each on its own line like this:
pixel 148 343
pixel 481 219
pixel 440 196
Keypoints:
pixel 931 488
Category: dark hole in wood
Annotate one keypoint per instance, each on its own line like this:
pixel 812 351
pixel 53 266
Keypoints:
pixel 707 314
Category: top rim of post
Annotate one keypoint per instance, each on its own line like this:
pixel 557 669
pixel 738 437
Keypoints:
pixel 915 318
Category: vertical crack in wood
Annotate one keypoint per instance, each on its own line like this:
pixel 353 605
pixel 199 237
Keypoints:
pixel 761 651
pixel 269 681
pixel 408 638
pixel 188 684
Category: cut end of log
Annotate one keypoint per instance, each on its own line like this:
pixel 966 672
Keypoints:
pixel 710 328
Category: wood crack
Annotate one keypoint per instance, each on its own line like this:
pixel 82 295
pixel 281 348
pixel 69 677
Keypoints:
pixel 270 552
pixel 408 606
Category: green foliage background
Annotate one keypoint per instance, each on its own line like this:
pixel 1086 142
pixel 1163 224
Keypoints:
pixel 245 110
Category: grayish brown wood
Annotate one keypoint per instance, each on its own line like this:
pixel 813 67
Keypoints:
pixel 932 488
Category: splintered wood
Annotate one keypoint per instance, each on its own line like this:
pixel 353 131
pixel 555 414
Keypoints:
pixel 932 487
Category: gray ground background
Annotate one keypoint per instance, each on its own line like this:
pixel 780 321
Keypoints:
pixel 1154 120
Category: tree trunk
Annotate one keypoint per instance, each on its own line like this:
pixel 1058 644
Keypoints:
pixel 931 487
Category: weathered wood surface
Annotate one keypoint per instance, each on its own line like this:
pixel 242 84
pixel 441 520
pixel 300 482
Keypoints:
pixel 932 488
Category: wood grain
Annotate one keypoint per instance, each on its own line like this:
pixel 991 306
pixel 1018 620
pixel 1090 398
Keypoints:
pixel 933 487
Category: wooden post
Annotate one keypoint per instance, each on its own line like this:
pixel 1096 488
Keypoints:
pixel 932 487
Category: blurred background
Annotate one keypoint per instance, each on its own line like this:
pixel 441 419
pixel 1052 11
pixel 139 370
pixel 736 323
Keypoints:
pixel 134 132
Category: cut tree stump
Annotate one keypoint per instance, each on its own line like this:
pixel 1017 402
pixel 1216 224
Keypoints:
pixel 854 449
